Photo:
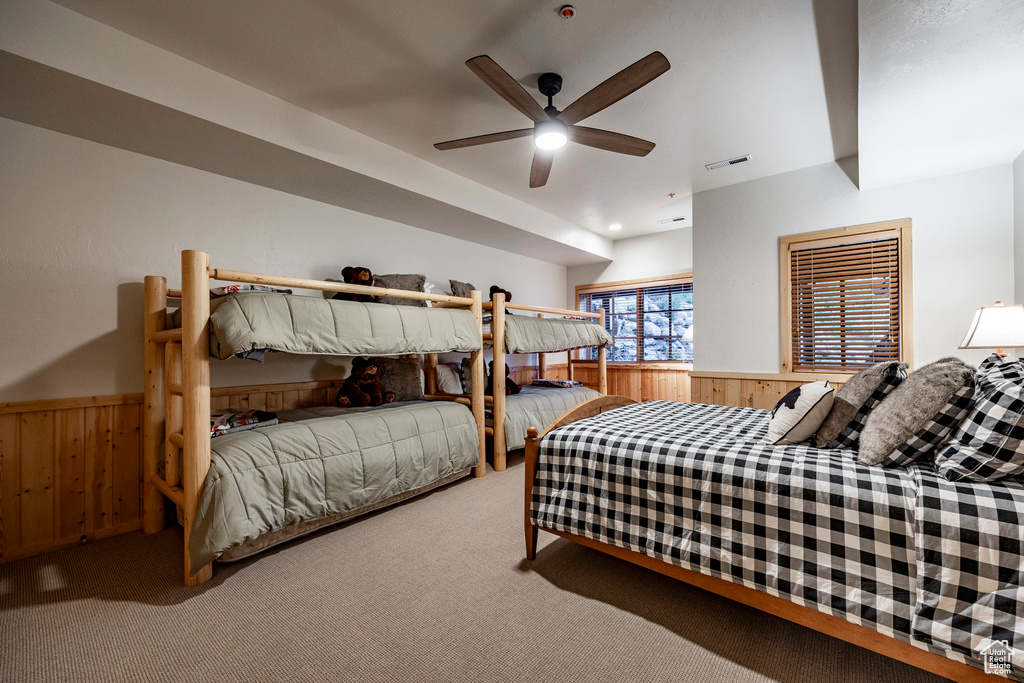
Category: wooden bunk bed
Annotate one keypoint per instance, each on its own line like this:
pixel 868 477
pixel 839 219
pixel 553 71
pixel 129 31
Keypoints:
pixel 585 452
pixel 498 307
pixel 176 406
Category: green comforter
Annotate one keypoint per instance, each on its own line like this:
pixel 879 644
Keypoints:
pixel 311 325
pixel 526 334
pixel 538 407
pixel 270 478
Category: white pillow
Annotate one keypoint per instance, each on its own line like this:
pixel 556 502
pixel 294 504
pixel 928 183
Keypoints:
pixel 449 380
pixel 797 416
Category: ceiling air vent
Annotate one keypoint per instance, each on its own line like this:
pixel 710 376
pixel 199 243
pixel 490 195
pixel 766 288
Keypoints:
pixel 727 162
pixel 666 221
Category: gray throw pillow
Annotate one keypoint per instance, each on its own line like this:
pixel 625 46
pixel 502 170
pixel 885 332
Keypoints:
pixel 911 408
pixel 855 394
pixel 408 282
pixel 463 289
pixel 404 376
pixel 467 376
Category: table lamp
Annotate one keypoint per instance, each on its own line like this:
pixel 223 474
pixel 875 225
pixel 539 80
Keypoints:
pixel 996 327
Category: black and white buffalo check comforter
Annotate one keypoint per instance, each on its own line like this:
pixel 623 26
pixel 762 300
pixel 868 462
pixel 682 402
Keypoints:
pixel 902 551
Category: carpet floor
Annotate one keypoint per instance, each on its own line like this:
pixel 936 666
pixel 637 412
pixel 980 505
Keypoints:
pixel 435 589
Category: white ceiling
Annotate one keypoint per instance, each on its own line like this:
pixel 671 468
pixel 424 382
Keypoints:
pixel 918 88
pixel 747 77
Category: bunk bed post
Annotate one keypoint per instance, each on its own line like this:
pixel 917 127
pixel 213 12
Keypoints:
pixel 532 451
pixel 498 381
pixel 431 379
pixel 477 397
pixel 568 359
pixel 602 360
pixel 195 351
pixel 153 404
pixel 542 360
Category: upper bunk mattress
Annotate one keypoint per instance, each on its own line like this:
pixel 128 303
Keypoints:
pixel 311 325
pixel 526 334
pixel 270 478
pixel 900 550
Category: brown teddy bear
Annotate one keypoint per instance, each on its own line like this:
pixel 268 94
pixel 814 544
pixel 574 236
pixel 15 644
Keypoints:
pixel 495 289
pixel 362 388
pixel 356 275
pixel 510 386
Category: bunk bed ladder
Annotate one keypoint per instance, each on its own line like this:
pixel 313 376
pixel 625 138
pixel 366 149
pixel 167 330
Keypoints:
pixel 176 402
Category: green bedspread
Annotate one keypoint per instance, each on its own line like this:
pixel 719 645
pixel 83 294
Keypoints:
pixel 527 334
pixel 311 325
pixel 270 478
pixel 538 407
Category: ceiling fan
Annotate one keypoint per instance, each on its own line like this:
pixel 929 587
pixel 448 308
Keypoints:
pixel 553 128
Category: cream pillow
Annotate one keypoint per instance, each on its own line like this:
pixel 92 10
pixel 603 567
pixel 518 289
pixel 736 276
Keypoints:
pixel 797 416
pixel 449 378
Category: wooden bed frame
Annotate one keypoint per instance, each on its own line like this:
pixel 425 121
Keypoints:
pixel 780 607
pixel 176 401
pixel 498 306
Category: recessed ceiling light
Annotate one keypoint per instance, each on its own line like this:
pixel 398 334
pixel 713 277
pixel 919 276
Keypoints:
pixel 615 226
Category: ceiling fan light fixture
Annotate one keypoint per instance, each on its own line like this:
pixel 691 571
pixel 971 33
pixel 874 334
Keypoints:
pixel 550 134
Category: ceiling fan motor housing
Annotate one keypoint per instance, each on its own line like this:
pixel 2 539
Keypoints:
pixel 549 84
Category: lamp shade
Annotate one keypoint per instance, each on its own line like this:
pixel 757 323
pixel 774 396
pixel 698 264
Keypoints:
pixel 996 327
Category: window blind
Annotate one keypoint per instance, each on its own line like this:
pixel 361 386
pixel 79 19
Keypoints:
pixel 845 305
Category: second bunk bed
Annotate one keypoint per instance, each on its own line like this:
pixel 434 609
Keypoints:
pixel 246 491
pixel 541 330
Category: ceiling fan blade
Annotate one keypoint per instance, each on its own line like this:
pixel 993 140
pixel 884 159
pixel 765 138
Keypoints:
pixel 613 142
pixel 484 139
pixel 542 159
pixel 627 81
pixel 506 86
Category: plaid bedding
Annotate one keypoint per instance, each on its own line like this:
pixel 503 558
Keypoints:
pixel 890 549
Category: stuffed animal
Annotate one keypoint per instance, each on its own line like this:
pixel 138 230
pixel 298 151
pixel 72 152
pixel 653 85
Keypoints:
pixel 362 388
pixel 356 275
pixel 510 386
pixel 495 289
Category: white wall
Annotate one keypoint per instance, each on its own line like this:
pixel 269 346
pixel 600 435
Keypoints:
pixel 962 245
pixel 1018 229
pixel 82 223
pixel 663 253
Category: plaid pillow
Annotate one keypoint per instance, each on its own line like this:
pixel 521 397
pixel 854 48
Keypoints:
pixel 937 431
pixel 851 432
pixel 998 368
pixel 989 445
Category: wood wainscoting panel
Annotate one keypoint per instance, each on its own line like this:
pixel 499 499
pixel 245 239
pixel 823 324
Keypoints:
pixel 753 390
pixel 71 469
pixel 640 382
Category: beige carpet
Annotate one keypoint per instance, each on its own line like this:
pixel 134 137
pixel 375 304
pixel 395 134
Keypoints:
pixel 433 590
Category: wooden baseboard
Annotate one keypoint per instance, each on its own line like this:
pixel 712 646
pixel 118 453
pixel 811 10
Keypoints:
pixel 48 546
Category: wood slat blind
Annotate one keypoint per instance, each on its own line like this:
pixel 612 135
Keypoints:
pixel 845 304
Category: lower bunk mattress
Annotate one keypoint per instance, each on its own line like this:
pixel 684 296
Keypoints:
pixel 328 463
pixel 902 551
pixel 537 407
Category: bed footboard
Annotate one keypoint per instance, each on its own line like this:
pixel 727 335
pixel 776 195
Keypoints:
pixel 594 406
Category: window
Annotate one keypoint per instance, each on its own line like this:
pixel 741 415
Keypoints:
pixel 650 320
pixel 846 298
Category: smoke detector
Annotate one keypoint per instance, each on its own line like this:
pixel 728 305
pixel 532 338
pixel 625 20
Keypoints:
pixel 727 162
pixel 567 12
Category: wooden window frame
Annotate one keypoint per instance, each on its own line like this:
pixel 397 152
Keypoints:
pixel 789 243
pixel 638 284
